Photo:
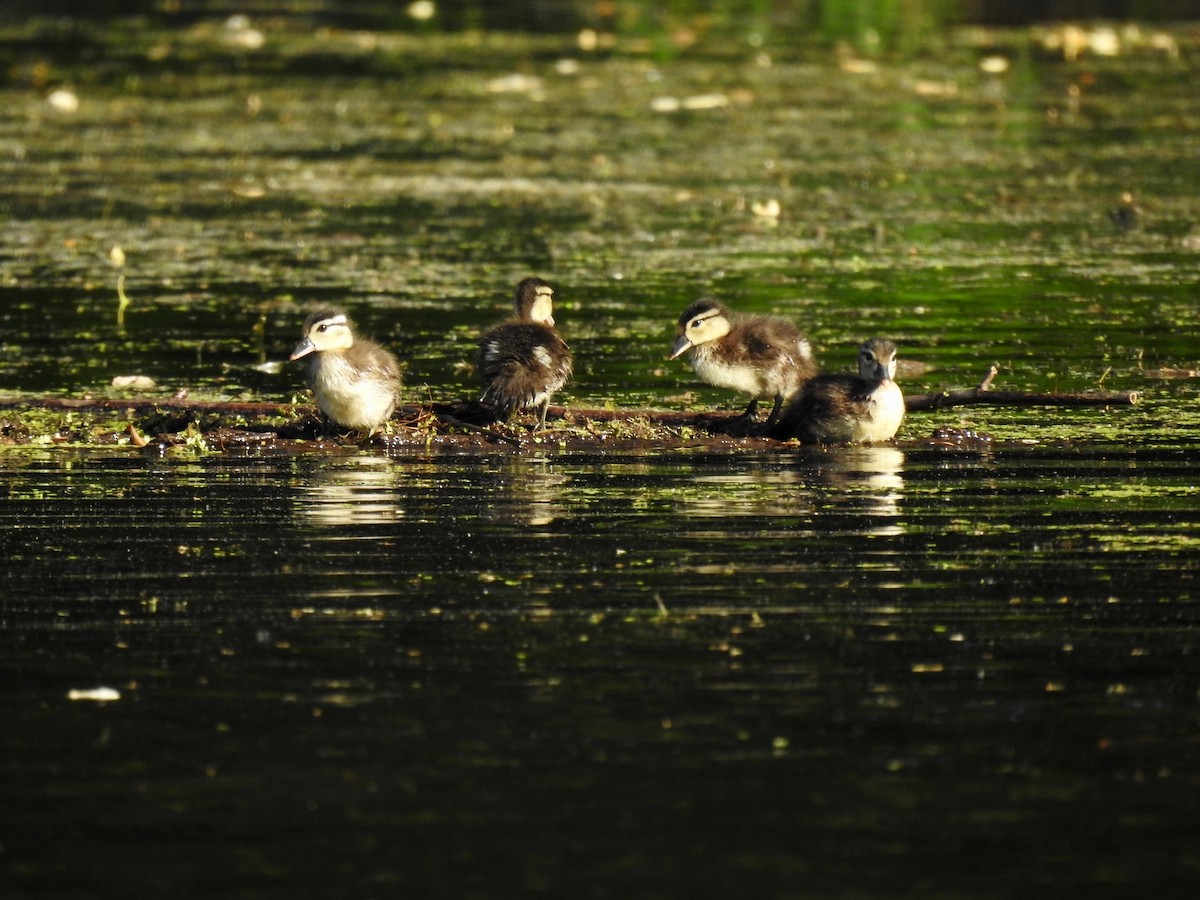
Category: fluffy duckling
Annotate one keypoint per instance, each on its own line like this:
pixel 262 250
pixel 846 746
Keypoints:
pixel 762 356
pixel 841 409
pixel 356 382
pixel 523 361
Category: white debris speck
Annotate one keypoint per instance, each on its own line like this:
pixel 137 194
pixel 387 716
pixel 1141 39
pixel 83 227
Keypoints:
pixel 239 33
pixel 97 694
pixel 421 10
pixel 514 84
pixel 134 382
pixel 767 209
pixel 64 101
pixel 706 101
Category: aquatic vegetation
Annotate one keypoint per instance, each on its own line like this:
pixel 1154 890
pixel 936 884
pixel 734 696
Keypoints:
pixel 955 665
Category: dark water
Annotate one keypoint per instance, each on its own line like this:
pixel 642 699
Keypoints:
pixel 887 672
pixel 869 672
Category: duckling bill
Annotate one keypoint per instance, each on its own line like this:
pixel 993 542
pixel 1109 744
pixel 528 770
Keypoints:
pixel 849 409
pixel 355 381
pixel 523 360
pixel 763 356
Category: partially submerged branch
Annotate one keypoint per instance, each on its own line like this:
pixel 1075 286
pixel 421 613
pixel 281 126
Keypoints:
pixel 984 395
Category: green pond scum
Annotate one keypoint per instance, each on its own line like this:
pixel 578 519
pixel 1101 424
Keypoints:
pixel 630 655
pixel 969 204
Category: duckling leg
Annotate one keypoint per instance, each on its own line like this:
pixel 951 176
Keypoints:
pixel 751 410
pixel 774 416
pixel 545 406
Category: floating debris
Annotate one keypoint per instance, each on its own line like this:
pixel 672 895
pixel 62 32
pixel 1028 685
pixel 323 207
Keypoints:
pixel 516 83
pixel 766 209
pixel 136 438
pixel 696 102
pixel 421 10
pixel 857 66
pixel 134 383
pixel 96 694
pixel 64 101
pixel 1170 372
pixel 927 88
pixel 239 33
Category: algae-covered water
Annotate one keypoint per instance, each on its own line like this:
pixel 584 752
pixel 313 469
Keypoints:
pixel 933 669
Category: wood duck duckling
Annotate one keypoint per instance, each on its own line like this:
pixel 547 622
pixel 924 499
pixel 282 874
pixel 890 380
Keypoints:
pixel 356 382
pixel 841 409
pixel 762 356
pixel 523 361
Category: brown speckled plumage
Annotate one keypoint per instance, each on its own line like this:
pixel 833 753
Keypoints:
pixel 846 408
pixel 764 356
pixel 523 360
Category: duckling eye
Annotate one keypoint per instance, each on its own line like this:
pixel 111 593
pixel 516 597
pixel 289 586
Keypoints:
pixel 322 328
pixel 695 323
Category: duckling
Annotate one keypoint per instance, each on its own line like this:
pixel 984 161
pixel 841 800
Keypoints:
pixel 356 382
pixel 840 409
pixel 762 356
pixel 522 361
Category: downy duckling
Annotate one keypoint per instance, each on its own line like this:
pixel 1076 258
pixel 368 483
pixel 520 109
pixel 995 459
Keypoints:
pixel 842 409
pixel 523 361
pixel 762 356
pixel 356 382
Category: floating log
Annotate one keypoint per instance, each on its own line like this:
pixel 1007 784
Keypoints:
pixel 167 415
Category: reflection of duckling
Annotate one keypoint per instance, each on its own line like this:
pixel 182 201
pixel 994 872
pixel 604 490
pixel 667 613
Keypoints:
pixel 762 356
pixel 522 361
pixel 840 409
pixel 356 382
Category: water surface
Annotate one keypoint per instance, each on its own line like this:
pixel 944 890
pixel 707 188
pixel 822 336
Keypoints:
pixel 913 673
pixel 901 671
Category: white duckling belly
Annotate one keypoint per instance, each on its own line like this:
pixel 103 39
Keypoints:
pixel 351 398
pixel 745 379
pixel 886 414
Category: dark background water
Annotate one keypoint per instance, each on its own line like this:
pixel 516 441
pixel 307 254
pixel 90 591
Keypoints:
pixel 874 673
pixel 897 671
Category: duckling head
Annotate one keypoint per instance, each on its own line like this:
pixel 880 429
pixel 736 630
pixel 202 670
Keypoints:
pixel 877 359
pixel 328 329
pixel 534 301
pixel 705 320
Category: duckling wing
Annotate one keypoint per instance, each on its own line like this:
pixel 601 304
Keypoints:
pixel 521 364
pixel 842 409
pixel 375 362
pixel 776 345
pixel 825 410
